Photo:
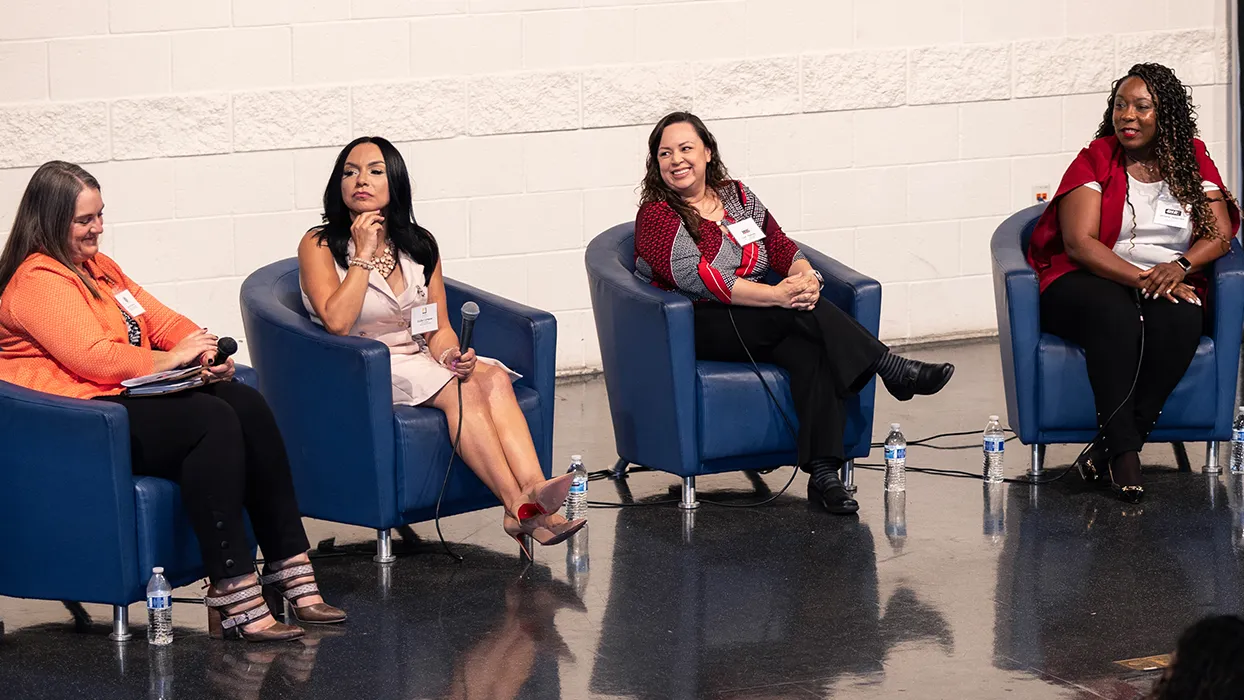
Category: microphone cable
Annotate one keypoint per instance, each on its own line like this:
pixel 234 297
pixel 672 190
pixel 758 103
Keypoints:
pixel 448 469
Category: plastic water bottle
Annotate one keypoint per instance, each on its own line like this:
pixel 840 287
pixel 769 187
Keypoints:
pixel 159 609
pixel 995 449
pixel 576 501
pixel 895 460
pixel 1237 443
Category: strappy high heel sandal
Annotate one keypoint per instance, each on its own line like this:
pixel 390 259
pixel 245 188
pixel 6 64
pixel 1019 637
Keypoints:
pixel 282 583
pixel 540 529
pixel 228 614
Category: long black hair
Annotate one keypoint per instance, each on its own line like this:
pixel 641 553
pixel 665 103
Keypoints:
pixel 654 189
pixel 399 216
pixel 44 219
pixel 1172 144
pixel 1207 663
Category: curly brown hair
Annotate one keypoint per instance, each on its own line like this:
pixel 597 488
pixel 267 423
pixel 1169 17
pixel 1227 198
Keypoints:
pixel 654 189
pixel 1173 147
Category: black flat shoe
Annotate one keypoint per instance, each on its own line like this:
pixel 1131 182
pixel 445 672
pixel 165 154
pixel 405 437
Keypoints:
pixel 923 378
pixel 826 489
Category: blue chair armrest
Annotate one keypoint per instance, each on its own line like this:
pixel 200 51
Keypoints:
pixel 1018 306
pixel 647 346
pixel 522 337
pixel 67 502
pixel 1228 304
pixel 333 400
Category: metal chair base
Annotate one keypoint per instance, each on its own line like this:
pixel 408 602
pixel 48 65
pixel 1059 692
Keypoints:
pixel 384 548
pixel 120 624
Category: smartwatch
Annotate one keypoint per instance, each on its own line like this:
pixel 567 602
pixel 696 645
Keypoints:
pixel 1183 262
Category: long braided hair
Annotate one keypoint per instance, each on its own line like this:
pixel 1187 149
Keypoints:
pixel 654 189
pixel 1172 146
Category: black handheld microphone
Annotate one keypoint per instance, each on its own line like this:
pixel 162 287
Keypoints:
pixel 470 312
pixel 224 348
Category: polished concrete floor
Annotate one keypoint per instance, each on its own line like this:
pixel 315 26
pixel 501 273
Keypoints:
pixel 957 590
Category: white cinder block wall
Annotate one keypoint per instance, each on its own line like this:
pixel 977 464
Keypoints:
pixel 892 134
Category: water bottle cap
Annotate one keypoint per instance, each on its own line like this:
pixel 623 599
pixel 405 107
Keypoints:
pixel 157 570
pixel 576 458
pixel 894 426
pixel 993 418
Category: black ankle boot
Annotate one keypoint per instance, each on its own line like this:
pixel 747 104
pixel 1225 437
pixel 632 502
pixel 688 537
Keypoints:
pixel 826 489
pixel 904 378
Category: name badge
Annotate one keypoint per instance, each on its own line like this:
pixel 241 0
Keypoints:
pixel 130 304
pixel 423 319
pixel 1167 211
pixel 745 231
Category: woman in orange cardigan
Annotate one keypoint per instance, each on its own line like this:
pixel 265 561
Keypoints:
pixel 73 324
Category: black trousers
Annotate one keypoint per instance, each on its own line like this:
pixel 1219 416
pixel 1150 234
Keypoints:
pixel 1103 318
pixel 221 444
pixel 828 355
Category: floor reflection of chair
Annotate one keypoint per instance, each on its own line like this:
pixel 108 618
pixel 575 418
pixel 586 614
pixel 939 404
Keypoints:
pixel 733 606
pixel 1084 581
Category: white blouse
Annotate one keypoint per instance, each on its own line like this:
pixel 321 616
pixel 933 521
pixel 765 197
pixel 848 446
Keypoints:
pixel 1153 243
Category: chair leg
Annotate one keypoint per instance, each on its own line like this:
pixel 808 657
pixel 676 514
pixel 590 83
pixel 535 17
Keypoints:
pixel 384 547
pixel 1038 461
pixel 689 501
pixel 120 624
pixel 619 469
pixel 848 475
pixel 1211 458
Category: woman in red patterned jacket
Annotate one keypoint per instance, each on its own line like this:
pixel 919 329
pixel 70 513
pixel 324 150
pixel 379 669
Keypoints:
pixel 708 237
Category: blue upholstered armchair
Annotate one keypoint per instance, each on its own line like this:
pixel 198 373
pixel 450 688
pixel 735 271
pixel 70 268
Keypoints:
pixel 675 414
pixel 79 526
pixel 1048 397
pixel 356 458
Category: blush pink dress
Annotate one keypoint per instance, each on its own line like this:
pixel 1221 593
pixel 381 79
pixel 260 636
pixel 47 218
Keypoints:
pixel 385 317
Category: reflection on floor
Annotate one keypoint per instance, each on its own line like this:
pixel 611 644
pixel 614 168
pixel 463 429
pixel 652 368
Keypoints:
pixel 955 590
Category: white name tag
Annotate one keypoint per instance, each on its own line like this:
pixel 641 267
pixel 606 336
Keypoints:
pixel 423 319
pixel 130 304
pixel 1167 211
pixel 745 231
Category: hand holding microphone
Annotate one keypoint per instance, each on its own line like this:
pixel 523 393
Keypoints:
pixel 461 360
pixel 219 366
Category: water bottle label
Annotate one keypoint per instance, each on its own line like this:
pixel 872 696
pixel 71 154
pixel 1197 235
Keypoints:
pixel 895 453
pixel 578 487
pixel 158 602
pixel 1237 436
pixel 994 444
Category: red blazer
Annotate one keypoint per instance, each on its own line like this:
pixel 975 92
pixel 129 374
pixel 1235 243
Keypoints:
pixel 1102 162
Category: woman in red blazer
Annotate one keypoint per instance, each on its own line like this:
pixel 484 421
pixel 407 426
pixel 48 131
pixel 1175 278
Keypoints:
pixel 1138 217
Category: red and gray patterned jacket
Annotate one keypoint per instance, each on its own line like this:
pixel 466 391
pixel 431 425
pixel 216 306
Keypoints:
pixel 666 255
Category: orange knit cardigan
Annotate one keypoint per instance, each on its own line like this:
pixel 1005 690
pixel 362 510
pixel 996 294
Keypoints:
pixel 57 338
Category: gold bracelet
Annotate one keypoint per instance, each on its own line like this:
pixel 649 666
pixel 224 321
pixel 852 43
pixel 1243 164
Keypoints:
pixel 356 262
pixel 445 354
